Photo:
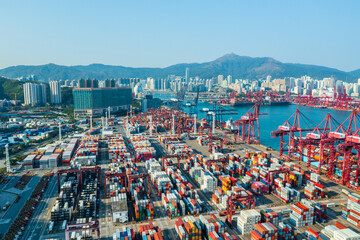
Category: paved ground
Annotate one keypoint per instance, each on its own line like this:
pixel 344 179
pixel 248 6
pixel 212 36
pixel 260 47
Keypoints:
pixel 38 226
pixel 15 208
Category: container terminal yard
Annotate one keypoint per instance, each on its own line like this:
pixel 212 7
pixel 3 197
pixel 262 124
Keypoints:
pixel 167 175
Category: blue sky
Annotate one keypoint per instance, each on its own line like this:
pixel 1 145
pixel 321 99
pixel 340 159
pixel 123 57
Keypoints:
pixel 154 33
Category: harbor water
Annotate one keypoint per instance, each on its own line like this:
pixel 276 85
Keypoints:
pixel 276 116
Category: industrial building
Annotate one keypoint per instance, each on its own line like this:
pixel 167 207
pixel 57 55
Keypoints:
pixel 94 101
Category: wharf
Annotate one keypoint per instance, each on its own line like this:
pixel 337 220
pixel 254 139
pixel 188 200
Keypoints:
pixel 39 222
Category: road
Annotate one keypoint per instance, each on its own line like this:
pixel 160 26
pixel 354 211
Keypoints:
pixel 40 219
pixel 15 208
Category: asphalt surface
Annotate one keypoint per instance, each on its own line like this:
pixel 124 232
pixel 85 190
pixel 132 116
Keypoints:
pixel 38 225
pixel 15 208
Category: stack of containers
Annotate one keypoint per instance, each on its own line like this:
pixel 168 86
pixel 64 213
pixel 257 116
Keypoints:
pixel 202 141
pixel 196 173
pixel 302 214
pixel 149 232
pixel 188 229
pixel 260 188
pixel 44 161
pixel 314 190
pixel 179 149
pixel 161 181
pixel 117 148
pixel 286 194
pixel 142 147
pixel 87 152
pixel 268 215
pixel 286 232
pixel 352 212
pixel 209 183
pixel 320 212
pixel 329 233
pixel 212 225
pixel 29 162
pixel 69 151
pixel 143 208
pixel 247 221
pixel 125 234
pixel 54 159
pixel 264 231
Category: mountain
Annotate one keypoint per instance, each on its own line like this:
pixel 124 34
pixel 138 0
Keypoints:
pixel 8 89
pixel 229 64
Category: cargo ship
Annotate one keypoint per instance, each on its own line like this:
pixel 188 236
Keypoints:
pixel 264 103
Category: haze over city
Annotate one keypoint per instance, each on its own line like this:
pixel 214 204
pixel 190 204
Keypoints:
pixel 162 33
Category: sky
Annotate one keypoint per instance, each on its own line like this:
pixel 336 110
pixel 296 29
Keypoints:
pixel 159 33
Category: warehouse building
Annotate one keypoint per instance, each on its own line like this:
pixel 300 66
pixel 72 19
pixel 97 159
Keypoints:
pixel 95 101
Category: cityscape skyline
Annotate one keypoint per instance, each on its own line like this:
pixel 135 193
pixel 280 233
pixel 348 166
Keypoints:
pixel 148 34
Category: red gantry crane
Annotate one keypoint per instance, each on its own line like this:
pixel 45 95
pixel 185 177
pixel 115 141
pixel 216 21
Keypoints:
pixel 70 170
pixel 79 227
pixel 248 201
pixel 122 176
pixel 350 150
pixel 167 157
pixel 293 128
pixel 140 176
pixel 250 122
pixel 316 140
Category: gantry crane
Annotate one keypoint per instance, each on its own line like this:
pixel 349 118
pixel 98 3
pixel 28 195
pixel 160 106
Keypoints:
pixel 317 138
pixel 250 122
pixel 226 140
pixel 271 173
pixel 167 157
pixel 96 169
pixel 122 176
pixel 294 131
pixel 71 170
pixel 223 161
pixel 248 200
pixel 140 176
pixel 79 227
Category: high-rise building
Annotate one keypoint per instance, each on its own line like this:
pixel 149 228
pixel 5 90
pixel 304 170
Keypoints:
pixel 41 93
pixel 187 75
pixel 109 83
pixel 55 92
pixel 88 83
pixel 30 96
pixel 229 80
pixel 220 79
pixel 268 78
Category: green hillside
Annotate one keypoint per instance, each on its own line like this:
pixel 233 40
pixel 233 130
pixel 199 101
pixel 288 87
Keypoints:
pixel 9 87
